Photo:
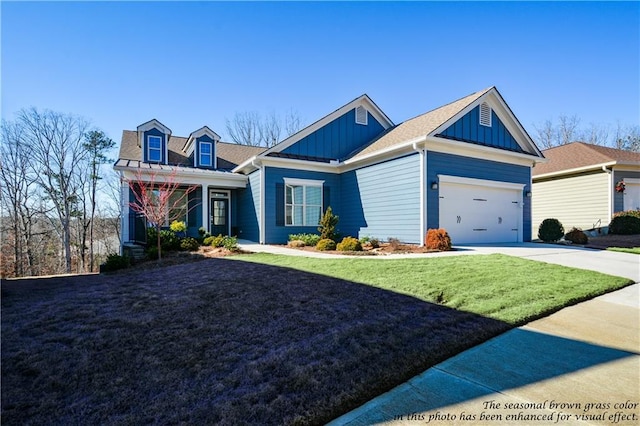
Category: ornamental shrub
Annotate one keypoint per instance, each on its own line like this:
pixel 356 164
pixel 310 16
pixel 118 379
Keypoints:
pixel 576 236
pixel 230 243
pixel 625 223
pixel 189 244
pixel 217 241
pixel 178 226
pixel 328 224
pixel 326 244
pixel 115 262
pixel 550 230
pixel 349 244
pixel 169 241
pixel 309 239
pixel 296 243
pixel 438 239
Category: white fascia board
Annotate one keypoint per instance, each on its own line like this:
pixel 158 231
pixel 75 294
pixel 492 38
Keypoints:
pixel 574 170
pixel 204 130
pixel 387 152
pixel 363 100
pixel 290 163
pixel 480 182
pixel 154 124
pixel 303 182
pixel 504 113
pixel 466 149
pixel 251 164
pixel 188 177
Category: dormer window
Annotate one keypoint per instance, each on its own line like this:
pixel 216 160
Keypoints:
pixel 485 114
pixel 154 149
pixel 206 148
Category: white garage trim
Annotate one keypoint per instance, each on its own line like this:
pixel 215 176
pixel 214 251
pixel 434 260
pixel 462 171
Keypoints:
pixel 481 211
pixel 480 182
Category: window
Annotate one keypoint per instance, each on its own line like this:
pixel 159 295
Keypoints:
pixel 361 115
pixel 206 149
pixel 177 205
pixel 485 114
pixel 303 202
pixel 154 149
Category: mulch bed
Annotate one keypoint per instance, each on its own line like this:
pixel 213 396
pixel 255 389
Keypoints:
pixel 611 240
pixel 214 341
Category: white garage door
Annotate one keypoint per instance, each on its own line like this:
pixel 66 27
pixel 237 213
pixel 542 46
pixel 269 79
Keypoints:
pixel 480 211
pixel 631 200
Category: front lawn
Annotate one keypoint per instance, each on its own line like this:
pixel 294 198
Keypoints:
pixel 502 287
pixel 633 250
pixel 232 342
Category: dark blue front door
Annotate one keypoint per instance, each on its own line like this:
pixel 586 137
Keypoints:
pixel 219 216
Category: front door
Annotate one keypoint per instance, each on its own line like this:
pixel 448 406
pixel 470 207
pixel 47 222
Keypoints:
pixel 219 215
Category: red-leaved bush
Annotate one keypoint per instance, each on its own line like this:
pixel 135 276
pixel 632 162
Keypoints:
pixel 438 239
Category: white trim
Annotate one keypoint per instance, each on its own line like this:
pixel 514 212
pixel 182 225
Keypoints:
pixel 634 181
pixel 212 177
pixel 204 130
pixel 124 209
pixel 483 119
pixel 366 115
pixel 159 149
pixel 295 164
pixel 154 124
pixel 575 170
pixel 423 196
pixel 211 155
pixel 263 203
pixel 303 182
pixel 481 182
pixel 363 100
pixel 210 191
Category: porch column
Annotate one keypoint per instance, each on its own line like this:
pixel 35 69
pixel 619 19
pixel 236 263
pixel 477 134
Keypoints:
pixel 124 211
pixel 205 208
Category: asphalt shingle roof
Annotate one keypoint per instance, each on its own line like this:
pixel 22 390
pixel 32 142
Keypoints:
pixel 229 155
pixel 580 154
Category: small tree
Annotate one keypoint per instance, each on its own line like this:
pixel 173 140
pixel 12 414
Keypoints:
pixel 328 224
pixel 155 199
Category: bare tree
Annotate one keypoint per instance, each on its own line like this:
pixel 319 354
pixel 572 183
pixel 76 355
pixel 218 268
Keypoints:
pixel 156 198
pixel 57 151
pixel 250 128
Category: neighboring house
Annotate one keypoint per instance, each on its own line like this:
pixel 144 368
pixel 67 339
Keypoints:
pixel 577 185
pixel 465 166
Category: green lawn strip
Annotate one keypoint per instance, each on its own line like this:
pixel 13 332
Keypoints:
pixel 633 250
pixel 502 287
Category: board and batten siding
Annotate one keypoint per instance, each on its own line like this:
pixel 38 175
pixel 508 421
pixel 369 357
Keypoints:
pixel 439 163
pixel 248 210
pixel 580 200
pixel 383 201
pixel 276 232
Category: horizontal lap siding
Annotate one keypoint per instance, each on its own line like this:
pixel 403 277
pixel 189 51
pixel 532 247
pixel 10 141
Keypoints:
pixel 618 197
pixel 383 201
pixel 248 210
pixel 455 165
pixel 580 201
pixel 279 234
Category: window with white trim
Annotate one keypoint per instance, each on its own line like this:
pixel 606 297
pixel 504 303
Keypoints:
pixel 154 149
pixel 361 115
pixel 206 154
pixel 177 206
pixel 303 202
pixel 485 114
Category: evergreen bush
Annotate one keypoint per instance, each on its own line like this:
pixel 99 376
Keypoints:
pixel 349 244
pixel 328 225
pixel 550 230
pixel 576 236
pixel 625 223
pixel 326 244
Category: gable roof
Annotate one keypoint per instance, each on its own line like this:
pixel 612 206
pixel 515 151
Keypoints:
pixel 578 156
pixel 437 120
pixel 363 100
pixel 230 155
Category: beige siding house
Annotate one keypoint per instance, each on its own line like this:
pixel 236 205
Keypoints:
pixel 577 185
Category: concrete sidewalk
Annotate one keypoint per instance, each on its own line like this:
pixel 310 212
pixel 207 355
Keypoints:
pixel 543 373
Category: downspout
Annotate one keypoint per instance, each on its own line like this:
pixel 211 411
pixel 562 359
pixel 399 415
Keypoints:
pixel 610 192
pixel 262 220
pixel 423 195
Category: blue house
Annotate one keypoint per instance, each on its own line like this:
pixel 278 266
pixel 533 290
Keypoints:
pixel 465 166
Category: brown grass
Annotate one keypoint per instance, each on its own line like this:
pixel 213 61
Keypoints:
pixel 214 341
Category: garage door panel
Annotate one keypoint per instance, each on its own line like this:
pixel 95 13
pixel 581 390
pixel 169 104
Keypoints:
pixel 479 214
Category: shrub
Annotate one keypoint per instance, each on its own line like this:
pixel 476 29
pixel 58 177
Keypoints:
pixel 202 231
pixel 178 226
pixel 296 243
pixel 550 230
pixel 152 252
pixel 168 239
pixel 374 243
pixel 625 223
pixel 349 244
pixel 326 244
pixel 394 243
pixel 217 241
pixel 576 236
pixel 189 244
pixel 438 239
pixel 308 239
pixel 230 243
pixel 328 224
pixel 115 262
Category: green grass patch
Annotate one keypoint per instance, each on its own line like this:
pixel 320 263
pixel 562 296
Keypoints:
pixel 633 250
pixel 502 287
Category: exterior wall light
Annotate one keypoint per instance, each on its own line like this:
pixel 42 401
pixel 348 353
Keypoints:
pixel 434 185
pixel 527 194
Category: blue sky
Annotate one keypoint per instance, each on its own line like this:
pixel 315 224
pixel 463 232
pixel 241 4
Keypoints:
pixel 189 64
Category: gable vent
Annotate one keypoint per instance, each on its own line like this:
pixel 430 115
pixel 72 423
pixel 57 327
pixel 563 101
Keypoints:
pixel 361 115
pixel 485 114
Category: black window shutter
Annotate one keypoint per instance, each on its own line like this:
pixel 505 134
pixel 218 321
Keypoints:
pixel 325 198
pixel 279 204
